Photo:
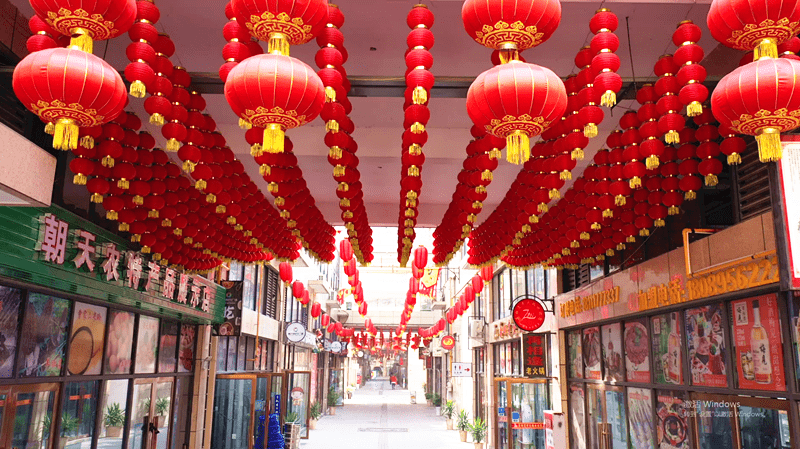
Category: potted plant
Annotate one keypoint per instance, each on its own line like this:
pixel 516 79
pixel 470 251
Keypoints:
pixel 437 402
pixel 114 419
pixel 69 425
pixel 447 411
pixel 478 431
pixel 349 390
pixel 314 413
pixel 333 399
pixel 291 418
pixel 428 398
pixel 463 425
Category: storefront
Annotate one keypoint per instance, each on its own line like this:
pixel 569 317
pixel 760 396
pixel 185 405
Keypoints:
pixel 97 342
pixel 693 349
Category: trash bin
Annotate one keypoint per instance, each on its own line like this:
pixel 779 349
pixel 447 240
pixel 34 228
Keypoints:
pixel 413 397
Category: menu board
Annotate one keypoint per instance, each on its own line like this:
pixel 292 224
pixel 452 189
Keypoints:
pixel 574 342
pixel 706 346
pixel 757 338
pixel 577 417
pixel 86 342
pixel 672 427
pixel 637 351
pixel 612 352
pixel 592 353
pixel 640 417
pixel 667 355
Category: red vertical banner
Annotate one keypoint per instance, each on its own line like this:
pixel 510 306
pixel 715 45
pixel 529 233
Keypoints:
pixel 757 337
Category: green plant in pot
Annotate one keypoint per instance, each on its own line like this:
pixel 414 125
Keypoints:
pixel 314 413
pixel 437 400
pixel 478 431
pixel 162 406
pixel 69 425
pixel 114 420
pixel 292 418
pixel 428 397
pixel 448 411
pixel 462 424
pixel 333 399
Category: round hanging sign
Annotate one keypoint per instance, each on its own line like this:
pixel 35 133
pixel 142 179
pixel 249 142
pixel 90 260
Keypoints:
pixel 448 342
pixel 336 347
pixel 295 332
pixel 528 314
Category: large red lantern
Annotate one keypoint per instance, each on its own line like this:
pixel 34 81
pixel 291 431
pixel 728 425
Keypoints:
pixel 70 89
pixel 516 101
pixel 85 20
pixel 276 93
pixel 297 289
pixel 758 25
pixel 761 99
pixel 510 26
pixel 282 22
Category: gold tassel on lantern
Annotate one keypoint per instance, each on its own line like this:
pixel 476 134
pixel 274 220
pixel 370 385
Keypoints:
pixel 188 166
pixel 608 99
pixel 694 109
pixel 413 171
pixel 495 153
pixel 518 147
pixel 769 145
pixel 157 119
pixel 264 170
pixel 651 162
pixel 330 94
pixel 635 182
pixel 107 161
pixel 200 184
pixel 50 128
pixel 138 200
pixel 87 142
pixel 533 219
pixel 711 179
pixel 574 244
pixel 417 128
pixel 577 153
pixel 415 149
pixel 419 95
pixel 672 136
pixel 338 170
pixel 673 210
pixel 608 213
pixel 335 152
pixel 173 145
pixel 65 135
pixel 619 200
pixel 79 179
pixel 486 175
pixel 590 130
pixel 411 203
pixel 554 194
pixel 344 202
pixel 600 257
pixel 231 220
pixel 565 175
pixel 138 89
pixel 343 187
pixel 166 223
pixel 243 123
pixel 256 150
pixel 585 236
pixel 278 44
pixel 610 253
pixel 112 215
pixel 280 201
pixel 690 195
pixel 766 48
pixel 542 207
pixel 97 198
pixel 273 138
pixel 734 159
pixel 81 40
pixel 659 223
pixel 123 184
pixel 125 227
pixel 211 198
pixel 332 126
pixel 644 232
pixel 596 226
pixel 630 239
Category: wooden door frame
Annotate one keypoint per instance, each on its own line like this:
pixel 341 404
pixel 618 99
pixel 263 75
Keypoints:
pixel 10 407
pixel 308 395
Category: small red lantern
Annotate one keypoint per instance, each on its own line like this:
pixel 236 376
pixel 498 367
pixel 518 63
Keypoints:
pixel 285 272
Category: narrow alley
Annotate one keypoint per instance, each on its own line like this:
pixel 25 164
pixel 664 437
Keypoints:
pixel 378 417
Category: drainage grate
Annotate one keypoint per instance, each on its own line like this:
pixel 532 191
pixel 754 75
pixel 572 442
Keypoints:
pixel 384 429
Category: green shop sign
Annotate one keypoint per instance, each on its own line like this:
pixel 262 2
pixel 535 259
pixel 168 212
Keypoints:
pixel 53 248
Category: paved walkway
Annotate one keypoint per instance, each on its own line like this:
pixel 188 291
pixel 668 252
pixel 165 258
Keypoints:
pixel 378 417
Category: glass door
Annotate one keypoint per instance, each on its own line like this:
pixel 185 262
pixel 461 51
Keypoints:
pixel 269 391
pixel 529 399
pixel 298 384
pixel 151 414
pixel 606 405
pixel 234 400
pixel 501 399
pixel 26 413
pixel 336 387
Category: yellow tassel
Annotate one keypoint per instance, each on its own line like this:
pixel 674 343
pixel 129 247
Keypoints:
pixel 256 150
pixel 408 231
pixel 596 226
pixel 332 126
pixel 410 213
pixel 173 145
pixel 766 48
pixel 769 145
pixel 166 222
pixel 50 128
pixel 672 136
pixel 630 239
pixel 518 148
pixel 200 184
pixel 87 142
pixel 284 214
pixel 533 219
pixel 157 119
pixel 415 149
pixel 156 256
pixel 136 238
pixel 409 223
pixel 480 189
pixel 79 179
pixel 264 170
pixel 65 135
pixel 651 162
pixel 412 195
pixel 542 207
pixel 734 159
pixel 247 233
pixel 554 194
pixel 610 253
pixel 417 128
pixel 601 257
pixel 338 170
pixel 138 89
pixel 413 171
pixel 123 184
pixel 343 187
pixel 112 215
pixel 411 203
pixel 635 182
pixel 419 96
pixel 577 154
pixel 335 153
pixel 690 195
pixel 471 218
pixel 278 44
pixel 231 220
pixel 273 138
pixel 621 246
pixel 619 200
pixel 97 198
pixel 495 154
pixel 608 213
pixel 711 179
pixel 556 256
pixel 138 200
pixel 280 201
pixel 590 130
pixel 81 41
pixel 211 198
pixel 694 109
pixel 659 223
pixel 486 175
pixel 124 227
pixel 344 202
pixel 152 213
pixel 330 94
pixel 585 236
pixel 188 166
pixel 565 175
pixel 244 123
pixel 516 242
pixel 673 210
pixel 477 205
pixel 608 99
pixel 466 229
pixel 574 244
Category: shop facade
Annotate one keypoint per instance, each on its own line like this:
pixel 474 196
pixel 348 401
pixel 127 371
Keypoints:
pixel 696 348
pixel 100 345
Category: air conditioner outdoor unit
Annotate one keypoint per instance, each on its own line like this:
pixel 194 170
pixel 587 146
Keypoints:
pixel 476 329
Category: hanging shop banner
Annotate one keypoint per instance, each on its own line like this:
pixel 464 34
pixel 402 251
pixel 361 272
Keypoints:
pixel 637 351
pixel 668 368
pixel 757 337
pixel 592 353
pixel 672 426
pixel 706 346
pixel 427 285
pixel 574 343
pixel 234 291
pixel 612 352
pixel 534 350
pixel 789 174
pixel 54 248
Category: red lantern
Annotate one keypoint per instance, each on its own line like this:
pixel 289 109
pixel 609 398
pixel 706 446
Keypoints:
pixel 345 250
pixel 282 22
pixel 525 24
pixel 297 289
pixel 86 21
pixel 758 25
pixel 421 257
pixel 306 298
pixel 286 272
pixel 487 272
pixel 325 320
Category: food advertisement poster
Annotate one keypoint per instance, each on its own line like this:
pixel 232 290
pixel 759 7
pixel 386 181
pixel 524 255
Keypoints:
pixel 667 349
pixel 147 345
pixel 672 428
pixel 577 417
pixel 706 346
pixel 757 338
pixel 637 351
pixel 120 342
pixel 9 321
pixel 45 336
pixel 612 352
pixel 640 417
pixel 575 366
pixel 86 342
pixel 168 346
pixel 592 353
pixel 186 349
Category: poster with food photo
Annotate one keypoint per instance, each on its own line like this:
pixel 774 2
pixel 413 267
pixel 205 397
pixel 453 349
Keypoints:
pixel 44 338
pixel 706 346
pixel 575 366
pixel 186 348
pixel 10 299
pixel 120 342
pixel 612 352
pixel 637 351
pixel 592 353
pixel 757 338
pixel 577 416
pixel 147 345
pixel 672 427
pixel 667 349
pixel 86 342
pixel 640 417
pixel 168 346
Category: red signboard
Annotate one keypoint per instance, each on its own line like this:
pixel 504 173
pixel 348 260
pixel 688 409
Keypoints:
pixel 527 425
pixel 534 357
pixel 528 314
pixel 448 342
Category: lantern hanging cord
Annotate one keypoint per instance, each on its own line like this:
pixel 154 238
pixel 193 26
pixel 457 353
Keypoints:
pixel 630 53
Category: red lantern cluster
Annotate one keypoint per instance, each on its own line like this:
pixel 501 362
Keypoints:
pixel 143 33
pixel 691 74
pixel 605 62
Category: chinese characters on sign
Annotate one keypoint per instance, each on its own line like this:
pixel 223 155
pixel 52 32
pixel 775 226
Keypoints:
pixel 534 357
pixel 590 302
pixel 55 238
